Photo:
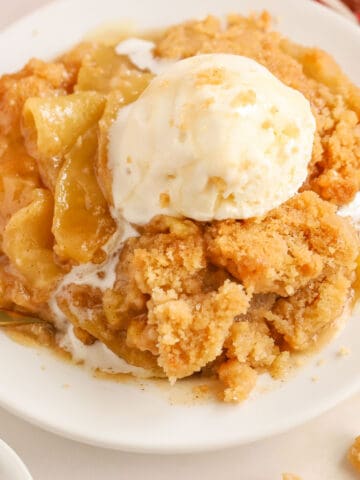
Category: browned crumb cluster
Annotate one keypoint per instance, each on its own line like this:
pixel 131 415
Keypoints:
pixel 241 294
pixel 294 252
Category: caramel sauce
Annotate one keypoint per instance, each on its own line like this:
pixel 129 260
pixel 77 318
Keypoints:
pixel 196 390
pixel 111 33
pixel 189 391
pixel 28 340
pixel 117 377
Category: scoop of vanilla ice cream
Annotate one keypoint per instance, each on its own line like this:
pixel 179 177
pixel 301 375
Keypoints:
pixel 215 136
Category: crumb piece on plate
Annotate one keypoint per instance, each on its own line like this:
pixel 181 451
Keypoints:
pixel 354 454
pixel 343 352
pixel 290 476
pixel 238 379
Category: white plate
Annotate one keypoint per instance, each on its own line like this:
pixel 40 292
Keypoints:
pixel 11 466
pixel 66 399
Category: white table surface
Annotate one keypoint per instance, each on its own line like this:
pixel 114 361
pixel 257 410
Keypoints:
pixel 316 451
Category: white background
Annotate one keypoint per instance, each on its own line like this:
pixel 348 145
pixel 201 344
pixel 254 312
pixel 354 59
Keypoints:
pixel 315 451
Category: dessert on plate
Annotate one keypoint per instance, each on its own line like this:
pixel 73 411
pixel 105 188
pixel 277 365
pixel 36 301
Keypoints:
pixel 173 204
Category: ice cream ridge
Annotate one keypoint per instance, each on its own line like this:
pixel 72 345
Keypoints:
pixel 213 137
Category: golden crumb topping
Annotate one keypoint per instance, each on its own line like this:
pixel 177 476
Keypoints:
pixel 285 250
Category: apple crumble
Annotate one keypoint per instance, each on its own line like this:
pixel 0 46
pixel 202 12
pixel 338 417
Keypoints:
pixel 174 294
